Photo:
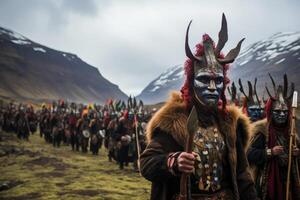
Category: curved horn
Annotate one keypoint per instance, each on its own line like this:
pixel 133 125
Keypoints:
pixel 223 36
pixel 250 91
pixel 254 88
pixel 188 51
pixel 269 92
pixel 233 88
pixel 255 92
pixel 291 91
pixel 242 89
pixel 273 83
pixel 285 85
pixel 229 91
pixel 233 53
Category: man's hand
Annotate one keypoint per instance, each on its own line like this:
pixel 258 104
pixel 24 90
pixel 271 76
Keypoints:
pixel 296 152
pixel 185 162
pixel 277 150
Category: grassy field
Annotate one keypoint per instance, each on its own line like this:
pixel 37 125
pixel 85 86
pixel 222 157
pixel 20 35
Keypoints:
pixel 36 170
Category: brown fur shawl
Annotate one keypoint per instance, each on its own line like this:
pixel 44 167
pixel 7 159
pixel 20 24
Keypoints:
pixel 172 119
pixel 259 127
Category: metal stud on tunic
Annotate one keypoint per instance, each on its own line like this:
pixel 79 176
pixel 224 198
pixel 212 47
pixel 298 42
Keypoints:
pixel 209 145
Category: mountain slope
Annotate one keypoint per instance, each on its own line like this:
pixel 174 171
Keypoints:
pixel 276 55
pixel 30 71
pixel 158 89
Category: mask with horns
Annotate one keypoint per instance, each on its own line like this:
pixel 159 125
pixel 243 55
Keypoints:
pixel 279 104
pixel 206 70
pixel 252 105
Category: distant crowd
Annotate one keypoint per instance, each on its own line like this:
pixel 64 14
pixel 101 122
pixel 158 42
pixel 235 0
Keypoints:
pixel 117 126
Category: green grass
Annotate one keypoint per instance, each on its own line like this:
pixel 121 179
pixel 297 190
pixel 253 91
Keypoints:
pixel 44 172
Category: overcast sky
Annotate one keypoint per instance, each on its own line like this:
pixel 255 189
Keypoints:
pixel 132 41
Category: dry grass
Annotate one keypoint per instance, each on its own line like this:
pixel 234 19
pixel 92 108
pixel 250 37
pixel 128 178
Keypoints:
pixel 39 171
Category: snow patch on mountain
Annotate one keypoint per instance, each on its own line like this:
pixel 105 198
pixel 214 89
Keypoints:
pixel 270 48
pixel 39 49
pixel 166 77
pixel 280 61
pixel 21 42
pixel 15 37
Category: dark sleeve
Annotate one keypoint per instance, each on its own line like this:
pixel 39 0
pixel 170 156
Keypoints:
pixel 118 132
pixel 245 182
pixel 257 154
pixel 154 158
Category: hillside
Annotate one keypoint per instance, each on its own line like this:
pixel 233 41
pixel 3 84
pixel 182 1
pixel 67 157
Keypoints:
pixel 32 72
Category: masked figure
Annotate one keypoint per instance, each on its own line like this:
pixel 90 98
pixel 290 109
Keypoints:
pixel 83 130
pixel 96 138
pixel 112 136
pixel 57 129
pixel 124 139
pixel 22 124
pixel 74 138
pixel 268 152
pixel 218 164
pixel 252 106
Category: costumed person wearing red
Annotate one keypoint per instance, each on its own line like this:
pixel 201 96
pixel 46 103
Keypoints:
pixel 217 167
pixel 269 147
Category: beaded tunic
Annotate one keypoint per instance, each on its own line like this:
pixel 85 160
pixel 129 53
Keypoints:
pixel 210 148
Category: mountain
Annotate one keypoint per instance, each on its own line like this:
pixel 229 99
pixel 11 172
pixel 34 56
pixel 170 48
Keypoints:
pixel 32 72
pixel 276 55
pixel 158 89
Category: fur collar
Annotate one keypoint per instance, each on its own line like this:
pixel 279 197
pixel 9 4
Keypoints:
pixel 172 119
pixel 259 127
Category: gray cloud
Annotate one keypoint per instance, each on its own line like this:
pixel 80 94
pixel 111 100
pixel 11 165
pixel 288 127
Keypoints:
pixel 131 42
pixel 49 14
pixel 84 7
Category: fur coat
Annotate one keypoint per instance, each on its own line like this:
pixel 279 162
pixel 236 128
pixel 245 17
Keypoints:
pixel 166 133
pixel 258 160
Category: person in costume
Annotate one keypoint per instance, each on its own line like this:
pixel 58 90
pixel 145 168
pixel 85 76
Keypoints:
pixel 253 107
pixel 268 151
pixel 218 166
pixel 124 138
pixel 83 129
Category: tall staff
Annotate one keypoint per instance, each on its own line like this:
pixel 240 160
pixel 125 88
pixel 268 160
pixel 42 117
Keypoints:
pixel 137 141
pixel 291 144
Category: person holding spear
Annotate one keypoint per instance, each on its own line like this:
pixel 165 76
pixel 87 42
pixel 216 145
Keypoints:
pixel 196 142
pixel 274 149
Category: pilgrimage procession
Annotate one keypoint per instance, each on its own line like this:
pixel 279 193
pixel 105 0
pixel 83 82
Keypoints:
pixel 217 137
pixel 117 126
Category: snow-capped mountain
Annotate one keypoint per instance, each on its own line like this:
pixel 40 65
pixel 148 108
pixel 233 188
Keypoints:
pixel 271 49
pixel 32 72
pixel 158 89
pixel 276 55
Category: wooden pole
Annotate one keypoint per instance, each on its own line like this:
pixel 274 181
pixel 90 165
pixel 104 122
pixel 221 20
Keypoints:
pixel 137 143
pixel 291 146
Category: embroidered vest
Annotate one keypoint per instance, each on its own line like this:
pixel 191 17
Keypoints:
pixel 209 145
